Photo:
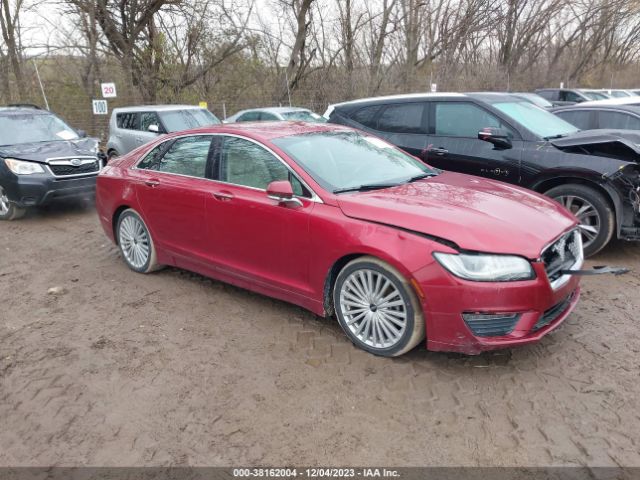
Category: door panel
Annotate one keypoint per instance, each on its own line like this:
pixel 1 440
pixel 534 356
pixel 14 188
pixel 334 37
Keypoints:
pixel 251 235
pixel 172 190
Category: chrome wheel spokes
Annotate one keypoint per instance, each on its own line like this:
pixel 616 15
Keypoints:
pixel 4 202
pixel 373 308
pixel 134 241
pixel 587 215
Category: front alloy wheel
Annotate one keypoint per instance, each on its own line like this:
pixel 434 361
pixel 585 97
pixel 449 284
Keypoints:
pixel 377 308
pixel 135 242
pixel 8 210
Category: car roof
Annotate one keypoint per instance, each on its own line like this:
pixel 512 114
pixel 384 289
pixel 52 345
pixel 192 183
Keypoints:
pixel 605 106
pixel 155 108
pixel 614 101
pixel 276 109
pixel 266 131
pixel 406 96
pixel 7 111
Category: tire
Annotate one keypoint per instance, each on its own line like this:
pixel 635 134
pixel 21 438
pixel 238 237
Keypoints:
pixel 135 243
pixel 388 333
pixel 597 223
pixel 9 210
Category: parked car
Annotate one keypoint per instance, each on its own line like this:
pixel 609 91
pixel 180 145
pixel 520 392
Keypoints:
pixel 348 223
pixel 635 100
pixel 568 96
pixel 533 98
pixel 618 93
pixel 593 173
pixel 274 114
pixel 131 127
pixel 42 159
pixel 592 117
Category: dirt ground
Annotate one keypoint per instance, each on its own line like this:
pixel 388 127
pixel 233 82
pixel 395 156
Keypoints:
pixel 173 368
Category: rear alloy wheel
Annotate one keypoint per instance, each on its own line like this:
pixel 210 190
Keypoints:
pixel 135 243
pixel 596 217
pixel 8 209
pixel 377 308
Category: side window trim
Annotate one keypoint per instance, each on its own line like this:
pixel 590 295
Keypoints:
pixel 218 165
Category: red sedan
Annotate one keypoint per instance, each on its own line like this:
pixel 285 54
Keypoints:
pixel 340 222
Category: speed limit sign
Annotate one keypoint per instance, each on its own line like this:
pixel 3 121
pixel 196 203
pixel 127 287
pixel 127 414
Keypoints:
pixel 99 107
pixel 108 90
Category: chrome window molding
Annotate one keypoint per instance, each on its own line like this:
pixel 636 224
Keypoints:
pixel 314 196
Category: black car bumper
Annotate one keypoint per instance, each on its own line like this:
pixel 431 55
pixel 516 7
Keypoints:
pixel 39 189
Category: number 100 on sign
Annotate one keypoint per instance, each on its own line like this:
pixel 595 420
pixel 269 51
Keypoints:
pixel 99 107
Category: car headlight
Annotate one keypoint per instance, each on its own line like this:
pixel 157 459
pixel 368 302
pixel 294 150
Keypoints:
pixel 485 267
pixel 20 167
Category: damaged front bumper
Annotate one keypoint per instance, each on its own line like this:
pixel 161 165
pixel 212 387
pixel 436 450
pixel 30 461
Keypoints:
pixel 626 183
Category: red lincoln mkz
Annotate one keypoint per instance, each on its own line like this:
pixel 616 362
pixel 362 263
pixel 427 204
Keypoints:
pixel 337 221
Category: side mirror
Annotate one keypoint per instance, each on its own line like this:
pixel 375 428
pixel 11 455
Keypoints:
pixel 497 136
pixel 154 128
pixel 81 133
pixel 282 192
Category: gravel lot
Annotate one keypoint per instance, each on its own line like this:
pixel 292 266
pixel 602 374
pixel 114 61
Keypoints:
pixel 173 368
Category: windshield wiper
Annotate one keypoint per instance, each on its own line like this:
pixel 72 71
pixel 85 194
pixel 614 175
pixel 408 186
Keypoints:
pixel 364 188
pixel 421 176
pixel 554 137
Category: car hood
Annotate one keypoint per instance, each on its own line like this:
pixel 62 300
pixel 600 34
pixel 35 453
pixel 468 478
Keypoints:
pixel 474 213
pixel 41 151
pixel 602 139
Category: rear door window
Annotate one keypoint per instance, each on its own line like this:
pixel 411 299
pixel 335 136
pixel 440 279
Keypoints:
pixel 186 156
pixel 579 118
pixel 367 116
pixel 128 121
pixel 620 120
pixel 403 118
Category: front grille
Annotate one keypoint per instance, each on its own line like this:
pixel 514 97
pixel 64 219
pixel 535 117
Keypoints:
pixel 563 254
pixel 491 324
pixel 74 166
pixel 552 314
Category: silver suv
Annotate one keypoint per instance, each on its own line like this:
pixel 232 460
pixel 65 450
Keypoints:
pixel 131 127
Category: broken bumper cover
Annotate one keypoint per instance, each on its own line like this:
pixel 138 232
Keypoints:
pixel 472 317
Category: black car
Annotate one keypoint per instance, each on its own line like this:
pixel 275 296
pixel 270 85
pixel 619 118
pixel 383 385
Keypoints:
pixel 595 174
pixel 606 116
pixel 42 159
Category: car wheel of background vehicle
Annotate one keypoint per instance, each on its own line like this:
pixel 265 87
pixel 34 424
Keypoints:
pixel 8 209
pixel 135 242
pixel 377 308
pixel 596 216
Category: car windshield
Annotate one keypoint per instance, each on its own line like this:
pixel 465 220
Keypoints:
pixel 535 99
pixel 535 119
pixel 21 128
pixel 303 116
pixel 349 160
pixel 177 120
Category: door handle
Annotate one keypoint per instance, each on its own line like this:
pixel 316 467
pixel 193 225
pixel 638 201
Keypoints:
pixel 223 196
pixel 152 183
pixel 439 151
